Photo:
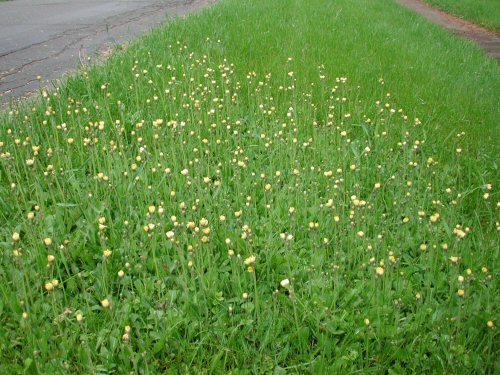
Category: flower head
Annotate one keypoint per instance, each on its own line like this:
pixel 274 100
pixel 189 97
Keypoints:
pixel 285 283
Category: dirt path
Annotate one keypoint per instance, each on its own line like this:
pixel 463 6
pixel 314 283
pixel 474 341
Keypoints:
pixel 49 38
pixel 487 40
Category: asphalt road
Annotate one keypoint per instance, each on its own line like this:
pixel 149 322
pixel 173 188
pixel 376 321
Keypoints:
pixel 48 38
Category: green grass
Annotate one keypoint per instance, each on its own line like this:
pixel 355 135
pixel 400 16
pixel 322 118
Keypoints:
pixel 289 134
pixel 483 12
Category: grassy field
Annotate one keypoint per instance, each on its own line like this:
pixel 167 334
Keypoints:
pixel 483 12
pixel 264 187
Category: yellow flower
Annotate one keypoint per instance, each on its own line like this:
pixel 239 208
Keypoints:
pixel 105 303
pixel 47 241
pixel 435 218
pixel 379 271
pixel 15 237
pixel 250 260
pixel 285 283
pixel 459 233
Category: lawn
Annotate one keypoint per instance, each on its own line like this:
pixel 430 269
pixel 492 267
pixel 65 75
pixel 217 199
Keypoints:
pixel 263 187
pixel 483 12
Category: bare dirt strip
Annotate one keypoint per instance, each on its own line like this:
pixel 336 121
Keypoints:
pixel 486 39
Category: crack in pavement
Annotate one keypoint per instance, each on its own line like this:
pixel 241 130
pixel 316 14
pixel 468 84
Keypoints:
pixel 21 85
pixel 71 33
pixel 57 36
pixel 54 59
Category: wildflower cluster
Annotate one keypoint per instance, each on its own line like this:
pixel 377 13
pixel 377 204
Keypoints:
pixel 190 189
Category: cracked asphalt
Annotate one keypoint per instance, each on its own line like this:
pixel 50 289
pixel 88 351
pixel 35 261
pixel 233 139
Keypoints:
pixel 49 38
